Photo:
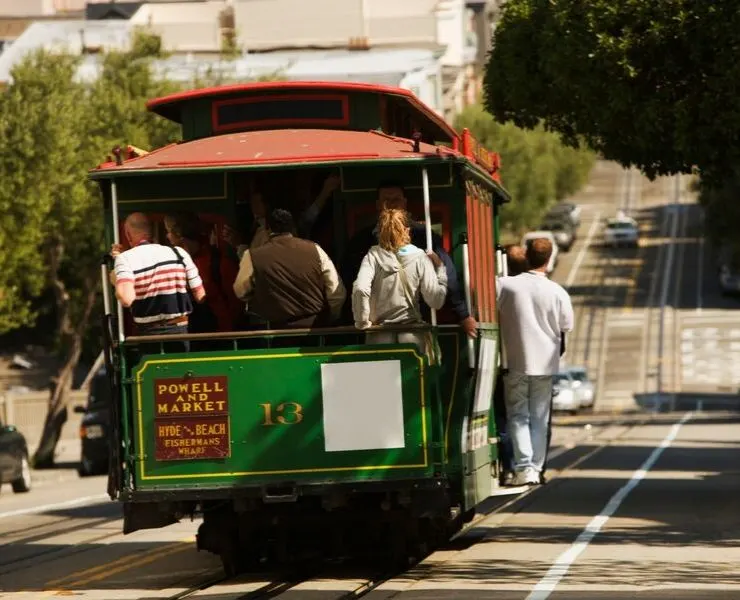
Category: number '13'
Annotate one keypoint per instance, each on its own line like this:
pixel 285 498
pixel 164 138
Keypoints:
pixel 287 413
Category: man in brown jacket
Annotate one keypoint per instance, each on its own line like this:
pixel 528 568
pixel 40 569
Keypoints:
pixel 288 281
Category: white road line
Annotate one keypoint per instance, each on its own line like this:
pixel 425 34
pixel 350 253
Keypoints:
pixel 83 501
pixel 560 567
pixel 669 259
pixel 700 276
pixel 582 253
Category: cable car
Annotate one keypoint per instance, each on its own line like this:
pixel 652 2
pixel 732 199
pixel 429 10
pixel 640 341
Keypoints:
pixel 275 435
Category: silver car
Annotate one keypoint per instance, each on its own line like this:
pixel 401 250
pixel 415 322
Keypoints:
pixel 582 386
pixel 568 209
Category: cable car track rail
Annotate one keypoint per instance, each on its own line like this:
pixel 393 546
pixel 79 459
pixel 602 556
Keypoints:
pixel 228 589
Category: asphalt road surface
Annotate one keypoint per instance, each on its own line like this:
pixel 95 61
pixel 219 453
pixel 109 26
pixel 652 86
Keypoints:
pixel 643 500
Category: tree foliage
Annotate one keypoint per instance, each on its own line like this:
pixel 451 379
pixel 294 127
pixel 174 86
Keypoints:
pixel 40 117
pixel 536 168
pixel 58 128
pixel 645 83
pixel 722 210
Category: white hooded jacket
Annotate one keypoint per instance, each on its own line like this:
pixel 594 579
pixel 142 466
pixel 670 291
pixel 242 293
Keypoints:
pixel 378 296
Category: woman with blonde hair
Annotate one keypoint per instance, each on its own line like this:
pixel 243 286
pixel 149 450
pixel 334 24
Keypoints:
pixel 392 276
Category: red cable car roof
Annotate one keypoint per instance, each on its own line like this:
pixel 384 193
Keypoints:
pixel 273 147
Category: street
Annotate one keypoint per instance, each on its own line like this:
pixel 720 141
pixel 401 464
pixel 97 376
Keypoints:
pixel 642 500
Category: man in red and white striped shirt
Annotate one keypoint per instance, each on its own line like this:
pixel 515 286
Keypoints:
pixel 155 281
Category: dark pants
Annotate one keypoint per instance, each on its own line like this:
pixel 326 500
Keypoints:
pixel 155 347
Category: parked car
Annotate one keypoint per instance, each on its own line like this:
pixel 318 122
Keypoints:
pixel 622 230
pixel 94 426
pixel 568 209
pixel 729 279
pixel 583 386
pixel 15 467
pixel 534 235
pixel 728 271
pixel 563 394
pixel 563 230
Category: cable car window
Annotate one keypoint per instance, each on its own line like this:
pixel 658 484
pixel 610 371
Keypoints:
pixel 271 110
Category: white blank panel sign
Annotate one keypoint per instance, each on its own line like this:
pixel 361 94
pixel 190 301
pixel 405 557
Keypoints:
pixel 362 405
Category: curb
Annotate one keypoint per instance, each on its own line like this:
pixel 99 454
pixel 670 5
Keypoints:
pixel 67 456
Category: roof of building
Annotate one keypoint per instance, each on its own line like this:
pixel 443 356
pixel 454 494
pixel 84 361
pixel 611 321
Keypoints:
pixel 272 24
pixel 68 35
pixel 273 147
pixel 379 66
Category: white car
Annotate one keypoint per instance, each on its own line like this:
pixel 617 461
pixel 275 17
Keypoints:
pixel 563 393
pixel 622 230
pixel 583 386
pixel 536 235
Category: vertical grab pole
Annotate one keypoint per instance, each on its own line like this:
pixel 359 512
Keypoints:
pixel 428 223
pixel 468 299
pixel 106 289
pixel 503 271
pixel 501 266
pixel 116 240
pixel 107 310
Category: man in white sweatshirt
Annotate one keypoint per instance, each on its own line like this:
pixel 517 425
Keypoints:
pixel 535 313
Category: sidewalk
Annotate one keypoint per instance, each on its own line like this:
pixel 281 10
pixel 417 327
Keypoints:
pixel 66 458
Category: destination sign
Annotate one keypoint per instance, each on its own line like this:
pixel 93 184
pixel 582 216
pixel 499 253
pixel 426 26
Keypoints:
pixel 191 418
pixel 186 438
pixel 191 396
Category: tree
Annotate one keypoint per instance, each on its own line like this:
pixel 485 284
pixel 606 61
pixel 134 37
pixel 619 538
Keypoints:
pixel 47 198
pixel 535 167
pixel 43 99
pixel 645 83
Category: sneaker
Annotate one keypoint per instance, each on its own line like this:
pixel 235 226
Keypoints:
pixel 508 478
pixel 528 476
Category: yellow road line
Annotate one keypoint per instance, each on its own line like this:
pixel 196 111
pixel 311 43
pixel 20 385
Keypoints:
pixel 119 565
pixel 135 563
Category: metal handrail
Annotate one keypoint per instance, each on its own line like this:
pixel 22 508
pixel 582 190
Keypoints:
pixel 230 335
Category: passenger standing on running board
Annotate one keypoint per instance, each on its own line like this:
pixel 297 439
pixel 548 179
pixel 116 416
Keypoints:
pixel 535 314
pixel 155 281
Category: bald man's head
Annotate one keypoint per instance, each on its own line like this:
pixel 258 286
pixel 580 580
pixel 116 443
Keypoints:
pixel 138 227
